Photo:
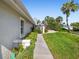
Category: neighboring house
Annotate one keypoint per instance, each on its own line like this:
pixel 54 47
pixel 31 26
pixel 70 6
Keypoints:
pixel 15 22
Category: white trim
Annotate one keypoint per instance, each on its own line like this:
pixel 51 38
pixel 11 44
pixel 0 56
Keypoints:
pixel 20 8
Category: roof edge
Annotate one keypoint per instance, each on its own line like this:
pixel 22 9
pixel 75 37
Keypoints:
pixel 20 8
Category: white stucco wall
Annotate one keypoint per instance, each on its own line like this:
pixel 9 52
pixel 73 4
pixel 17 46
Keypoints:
pixel 0 53
pixel 27 27
pixel 10 25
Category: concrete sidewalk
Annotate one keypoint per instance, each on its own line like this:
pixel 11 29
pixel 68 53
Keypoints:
pixel 41 50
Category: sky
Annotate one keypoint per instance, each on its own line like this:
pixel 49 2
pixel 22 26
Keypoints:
pixel 41 8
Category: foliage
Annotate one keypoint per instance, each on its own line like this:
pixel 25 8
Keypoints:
pixel 46 30
pixel 67 8
pixel 75 26
pixel 17 50
pixel 51 23
pixel 63 30
pixel 20 48
pixel 37 30
pixel 63 45
pixel 28 52
pixel 38 21
pixel 75 32
pixel 59 19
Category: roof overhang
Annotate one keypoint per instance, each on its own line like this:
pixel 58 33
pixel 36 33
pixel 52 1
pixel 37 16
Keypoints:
pixel 20 8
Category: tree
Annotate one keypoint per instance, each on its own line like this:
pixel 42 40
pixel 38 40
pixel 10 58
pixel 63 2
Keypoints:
pixel 67 8
pixel 38 21
pixel 52 23
pixel 75 25
pixel 59 20
pixel 48 21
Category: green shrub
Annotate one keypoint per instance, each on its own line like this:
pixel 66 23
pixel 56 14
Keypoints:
pixel 28 52
pixel 15 50
pixel 46 30
pixel 37 30
pixel 75 26
pixel 63 30
pixel 20 48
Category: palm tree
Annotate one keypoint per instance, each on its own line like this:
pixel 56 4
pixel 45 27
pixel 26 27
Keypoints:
pixel 67 8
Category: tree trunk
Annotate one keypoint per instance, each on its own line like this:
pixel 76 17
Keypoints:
pixel 67 24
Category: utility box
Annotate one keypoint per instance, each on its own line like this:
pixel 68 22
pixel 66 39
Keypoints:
pixel 26 43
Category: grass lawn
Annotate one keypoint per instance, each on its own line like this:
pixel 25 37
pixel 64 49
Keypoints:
pixel 63 45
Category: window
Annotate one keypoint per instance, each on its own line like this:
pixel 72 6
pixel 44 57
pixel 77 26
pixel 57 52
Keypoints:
pixel 22 27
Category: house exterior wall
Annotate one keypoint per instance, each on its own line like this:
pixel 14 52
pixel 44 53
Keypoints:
pixel 28 27
pixel 10 25
pixel 0 53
